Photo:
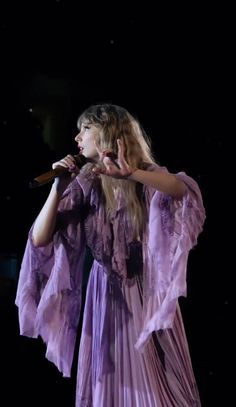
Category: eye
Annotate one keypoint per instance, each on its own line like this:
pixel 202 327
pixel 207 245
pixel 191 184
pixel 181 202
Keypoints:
pixel 86 126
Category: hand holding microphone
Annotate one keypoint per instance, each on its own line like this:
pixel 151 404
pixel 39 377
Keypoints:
pixel 65 166
pixel 69 164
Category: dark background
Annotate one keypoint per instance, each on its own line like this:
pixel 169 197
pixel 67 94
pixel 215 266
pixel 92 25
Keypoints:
pixel 173 69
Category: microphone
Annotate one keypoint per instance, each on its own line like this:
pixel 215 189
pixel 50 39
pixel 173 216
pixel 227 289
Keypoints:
pixel 43 179
pixel 49 176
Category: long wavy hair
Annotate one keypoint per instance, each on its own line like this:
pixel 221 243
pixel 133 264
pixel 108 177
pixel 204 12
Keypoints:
pixel 117 123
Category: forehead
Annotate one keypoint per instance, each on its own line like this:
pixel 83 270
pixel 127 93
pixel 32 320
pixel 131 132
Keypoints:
pixel 82 122
pixel 94 127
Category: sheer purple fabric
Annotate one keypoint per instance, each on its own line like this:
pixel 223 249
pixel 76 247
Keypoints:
pixel 133 348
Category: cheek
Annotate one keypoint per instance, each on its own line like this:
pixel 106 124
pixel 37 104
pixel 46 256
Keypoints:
pixel 91 149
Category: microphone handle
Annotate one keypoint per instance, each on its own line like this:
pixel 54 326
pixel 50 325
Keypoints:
pixel 80 159
pixel 56 172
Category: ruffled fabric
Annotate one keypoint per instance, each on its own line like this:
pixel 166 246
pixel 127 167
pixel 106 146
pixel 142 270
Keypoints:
pixel 173 229
pixel 50 282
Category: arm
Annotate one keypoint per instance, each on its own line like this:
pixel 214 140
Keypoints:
pixel 161 181
pixel 45 223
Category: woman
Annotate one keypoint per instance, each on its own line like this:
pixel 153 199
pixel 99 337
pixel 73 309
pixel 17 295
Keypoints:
pixel 140 223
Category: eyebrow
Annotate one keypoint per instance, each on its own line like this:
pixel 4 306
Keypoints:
pixel 86 123
pixel 80 124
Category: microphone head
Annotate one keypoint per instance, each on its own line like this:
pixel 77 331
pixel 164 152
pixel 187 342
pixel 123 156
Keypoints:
pixel 81 160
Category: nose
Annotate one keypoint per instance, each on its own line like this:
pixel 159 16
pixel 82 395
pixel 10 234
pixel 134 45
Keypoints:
pixel 78 137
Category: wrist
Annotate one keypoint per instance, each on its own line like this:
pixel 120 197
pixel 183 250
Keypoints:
pixel 58 187
pixel 131 173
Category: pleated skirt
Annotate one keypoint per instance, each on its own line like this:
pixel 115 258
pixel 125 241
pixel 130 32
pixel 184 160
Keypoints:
pixel 111 371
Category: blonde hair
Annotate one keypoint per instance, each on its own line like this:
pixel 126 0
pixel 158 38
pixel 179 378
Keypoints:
pixel 117 123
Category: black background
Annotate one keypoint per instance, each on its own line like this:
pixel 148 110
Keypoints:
pixel 173 69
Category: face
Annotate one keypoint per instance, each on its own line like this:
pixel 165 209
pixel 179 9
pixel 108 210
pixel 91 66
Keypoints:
pixel 86 140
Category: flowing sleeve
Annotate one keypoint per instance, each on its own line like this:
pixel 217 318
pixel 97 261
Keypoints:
pixel 50 281
pixel 173 230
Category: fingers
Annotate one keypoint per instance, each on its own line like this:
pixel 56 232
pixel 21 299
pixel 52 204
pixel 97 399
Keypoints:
pixel 120 144
pixel 66 162
pixel 110 160
pixel 121 152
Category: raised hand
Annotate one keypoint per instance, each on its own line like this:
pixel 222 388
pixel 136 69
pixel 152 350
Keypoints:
pixel 112 166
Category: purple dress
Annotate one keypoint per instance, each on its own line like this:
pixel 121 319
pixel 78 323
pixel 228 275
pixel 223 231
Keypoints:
pixel 133 349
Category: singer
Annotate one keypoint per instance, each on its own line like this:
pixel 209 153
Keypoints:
pixel 140 221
